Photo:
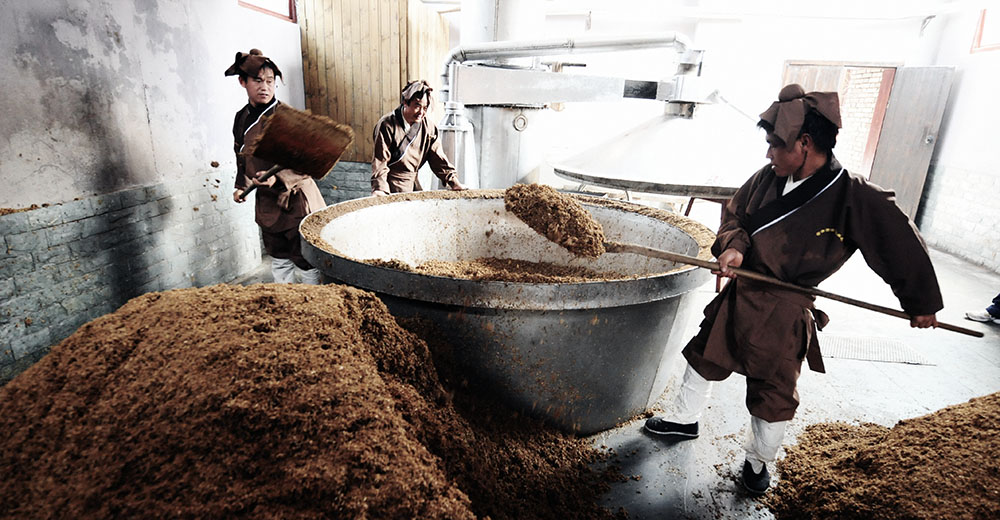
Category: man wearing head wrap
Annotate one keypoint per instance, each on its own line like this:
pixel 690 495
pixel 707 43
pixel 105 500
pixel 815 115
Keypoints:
pixel 404 141
pixel 797 219
pixel 283 200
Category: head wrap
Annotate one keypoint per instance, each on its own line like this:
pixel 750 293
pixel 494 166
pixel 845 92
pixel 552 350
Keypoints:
pixel 414 88
pixel 251 63
pixel 788 113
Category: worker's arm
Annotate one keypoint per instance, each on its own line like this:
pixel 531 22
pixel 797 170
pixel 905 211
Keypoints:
pixel 242 182
pixel 440 164
pixel 380 159
pixel 287 177
pixel 732 241
pixel 893 248
pixel 254 180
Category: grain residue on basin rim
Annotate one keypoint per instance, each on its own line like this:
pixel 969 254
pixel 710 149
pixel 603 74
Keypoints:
pixel 313 225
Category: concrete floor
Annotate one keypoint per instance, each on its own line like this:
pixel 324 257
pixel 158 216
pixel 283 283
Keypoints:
pixel 696 479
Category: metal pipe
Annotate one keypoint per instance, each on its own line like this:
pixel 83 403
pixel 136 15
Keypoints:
pixel 531 48
pixel 689 63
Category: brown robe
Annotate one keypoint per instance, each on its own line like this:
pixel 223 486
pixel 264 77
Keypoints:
pixel 280 208
pixel 762 331
pixel 395 170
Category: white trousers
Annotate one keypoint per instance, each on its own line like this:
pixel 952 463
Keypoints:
pixel 283 271
pixel 690 402
pixel 310 276
pixel 763 439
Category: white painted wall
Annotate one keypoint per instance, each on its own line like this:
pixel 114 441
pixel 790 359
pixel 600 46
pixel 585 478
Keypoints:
pixel 969 134
pixel 105 95
pixel 959 212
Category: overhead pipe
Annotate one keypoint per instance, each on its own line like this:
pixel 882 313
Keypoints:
pixel 532 48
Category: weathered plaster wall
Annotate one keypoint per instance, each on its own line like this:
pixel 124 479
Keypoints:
pixel 114 111
pixel 104 95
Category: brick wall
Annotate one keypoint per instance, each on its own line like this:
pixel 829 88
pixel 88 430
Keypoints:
pixel 859 92
pixel 348 180
pixel 958 214
pixel 65 264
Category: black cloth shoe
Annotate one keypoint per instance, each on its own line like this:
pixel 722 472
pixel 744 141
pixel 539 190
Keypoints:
pixel 755 483
pixel 671 429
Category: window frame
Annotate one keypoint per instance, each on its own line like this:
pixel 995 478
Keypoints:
pixel 977 42
pixel 290 16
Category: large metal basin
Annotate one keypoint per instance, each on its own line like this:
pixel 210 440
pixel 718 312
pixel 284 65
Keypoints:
pixel 584 356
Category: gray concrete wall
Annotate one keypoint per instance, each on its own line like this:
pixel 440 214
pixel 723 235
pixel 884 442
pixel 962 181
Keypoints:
pixel 959 210
pixel 114 113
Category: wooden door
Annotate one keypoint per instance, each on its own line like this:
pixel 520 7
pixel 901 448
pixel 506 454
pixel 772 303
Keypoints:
pixel 863 89
pixel 910 132
pixel 358 54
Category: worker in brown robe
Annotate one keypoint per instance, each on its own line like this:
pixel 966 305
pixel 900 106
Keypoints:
pixel 404 141
pixel 283 200
pixel 798 219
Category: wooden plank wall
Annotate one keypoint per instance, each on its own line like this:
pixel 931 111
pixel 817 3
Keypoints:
pixel 358 54
pixel 427 40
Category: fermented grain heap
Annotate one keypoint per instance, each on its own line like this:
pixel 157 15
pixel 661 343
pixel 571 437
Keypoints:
pixel 941 465
pixel 269 401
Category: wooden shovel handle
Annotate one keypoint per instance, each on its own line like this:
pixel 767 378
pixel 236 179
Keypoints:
pixel 267 175
pixel 619 247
